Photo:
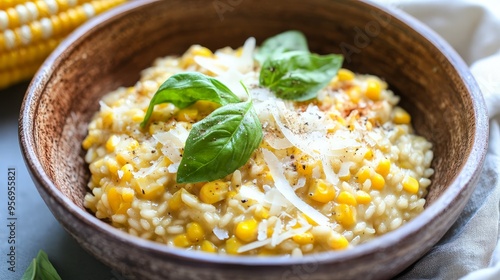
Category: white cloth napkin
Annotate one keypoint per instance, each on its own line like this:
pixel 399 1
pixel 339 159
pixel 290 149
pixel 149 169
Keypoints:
pixel 470 250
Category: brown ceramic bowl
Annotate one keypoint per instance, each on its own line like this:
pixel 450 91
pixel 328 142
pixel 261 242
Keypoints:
pixel 110 51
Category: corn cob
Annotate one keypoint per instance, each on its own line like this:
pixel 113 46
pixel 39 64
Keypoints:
pixel 30 30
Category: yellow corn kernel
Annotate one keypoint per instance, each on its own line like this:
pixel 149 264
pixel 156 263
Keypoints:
pixel 195 232
pixel 202 51
pixel 347 198
pixel 112 142
pixel 112 166
pixel 138 115
pixel 187 115
pixel 400 116
pixel 246 230
pixel 127 194
pixel 205 107
pixel 345 215
pixel 232 245
pixel 337 241
pixel 132 145
pixel 363 174
pixel 354 93
pixel 114 199
pixel 208 246
pixel 410 184
pixel 124 206
pixel 369 125
pixel 304 238
pixel 305 165
pixel 383 167
pixel 88 142
pixel 126 172
pixel 213 192
pixel 373 89
pixel 378 182
pixel 321 191
pixel 363 197
pixel 345 75
pixel 182 240
pixel 149 189
pixel 369 154
pixel 262 213
pixel 175 201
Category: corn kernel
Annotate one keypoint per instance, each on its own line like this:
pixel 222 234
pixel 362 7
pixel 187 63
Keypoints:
pixel 175 201
pixel 368 154
pixel 114 199
pixel 400 116
pixel 363 174
pixel 195 232
pixel 213 192
pixel 306 165
pixel 347 198
pixel 337 241
pixel 363 197
pixel 112 143
pixel 112 166
pixel 182 240
pixel 88 142
pixel 208 246
pixel 383 167
pixel 369 125
pixel 262 213
pixel 304 238
pixel 149 189
pixel 373 89
pixel 202 51
pixel 378 182
pixel 410 184
pixel 246 230
pixel 127 194
pixel 187 115
pixel 126 172
pixel 354 93
pixel 232 245
pixel 321 191
pixel 345 215
pixel 345 75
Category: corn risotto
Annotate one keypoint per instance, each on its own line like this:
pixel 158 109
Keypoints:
pixel 330 173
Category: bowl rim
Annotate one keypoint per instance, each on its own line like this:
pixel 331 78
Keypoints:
pixel 467 176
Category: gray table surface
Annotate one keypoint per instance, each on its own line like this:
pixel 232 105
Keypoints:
pixel 35 227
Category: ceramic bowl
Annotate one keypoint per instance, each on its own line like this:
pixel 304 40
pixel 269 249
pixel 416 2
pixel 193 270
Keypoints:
pixel 111 50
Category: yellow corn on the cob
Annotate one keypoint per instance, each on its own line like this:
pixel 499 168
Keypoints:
pixel 30 30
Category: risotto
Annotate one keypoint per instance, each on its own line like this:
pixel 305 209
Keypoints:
pixel 326 173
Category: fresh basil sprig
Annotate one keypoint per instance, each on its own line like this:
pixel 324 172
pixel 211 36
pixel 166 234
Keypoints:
pixel 220 143
pixel 284 42
pixel 41 269
pixel 184 89
pixel 299 75
pixel 291 71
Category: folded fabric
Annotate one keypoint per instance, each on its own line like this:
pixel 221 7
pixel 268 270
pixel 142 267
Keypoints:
pixel 470 249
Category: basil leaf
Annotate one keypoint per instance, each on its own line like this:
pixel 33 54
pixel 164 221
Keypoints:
pixel 299 75
pixel 185 89
pixel 284 42
pixel 220 143
pixel 41 269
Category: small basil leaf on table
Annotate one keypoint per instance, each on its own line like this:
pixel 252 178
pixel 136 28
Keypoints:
pixel 220 143
pixel 284 42
pixel 185 89
pixel 41 269
pixel 299 75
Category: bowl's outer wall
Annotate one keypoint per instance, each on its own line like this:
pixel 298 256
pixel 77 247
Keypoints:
pixel 435 89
